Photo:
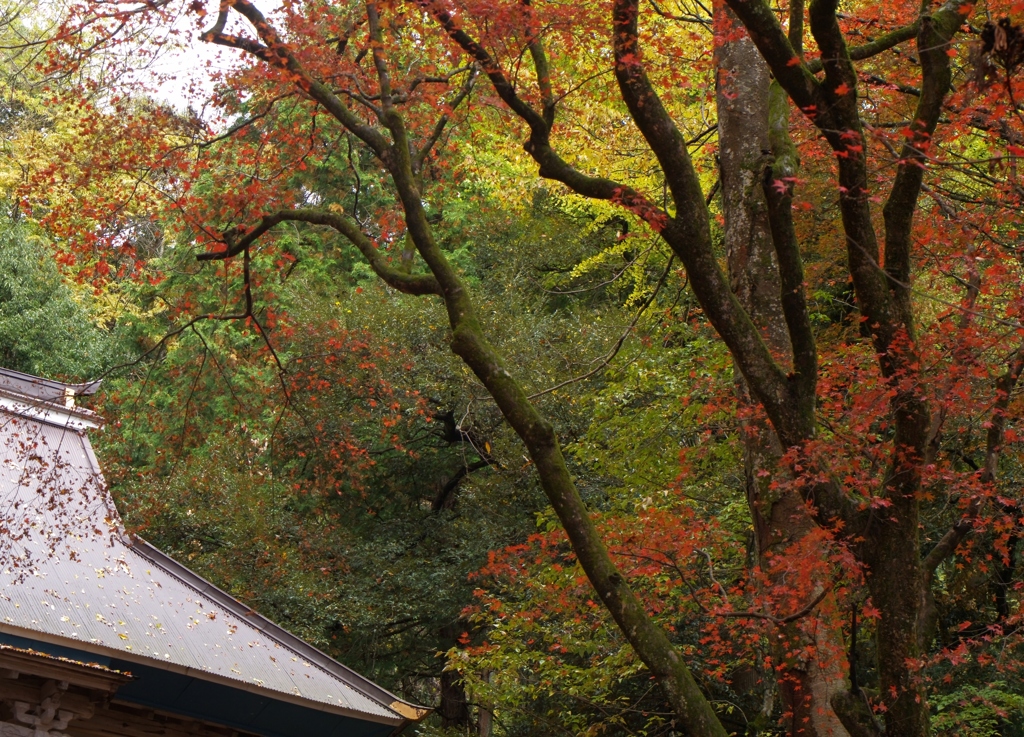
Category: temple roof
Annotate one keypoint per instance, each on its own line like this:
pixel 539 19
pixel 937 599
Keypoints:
pixel 72 577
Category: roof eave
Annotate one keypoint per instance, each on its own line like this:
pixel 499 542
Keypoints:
pixel 408 712
pixel 129 656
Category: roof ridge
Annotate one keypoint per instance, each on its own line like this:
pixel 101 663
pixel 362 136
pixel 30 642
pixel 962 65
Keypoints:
pixel 48 411
pixel 88 387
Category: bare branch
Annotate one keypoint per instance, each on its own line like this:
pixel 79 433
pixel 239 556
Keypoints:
pixel 780 621
pixel 622 338
pixel 276 52
pixel 442 122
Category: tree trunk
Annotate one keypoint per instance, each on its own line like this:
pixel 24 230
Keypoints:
pixel 454 702
pixel 484 717
pixel 896 582
pixel 454 706
pixel 780 521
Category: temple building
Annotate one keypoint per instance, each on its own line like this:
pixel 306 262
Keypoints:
pixel 102 634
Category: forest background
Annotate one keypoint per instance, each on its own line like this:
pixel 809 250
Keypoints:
pixel 290 415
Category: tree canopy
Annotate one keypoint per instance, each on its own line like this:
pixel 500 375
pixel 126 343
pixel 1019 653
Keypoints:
pixel 595 368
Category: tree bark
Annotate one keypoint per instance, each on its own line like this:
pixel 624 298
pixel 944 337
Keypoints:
pixel 454 706
pixel 781 521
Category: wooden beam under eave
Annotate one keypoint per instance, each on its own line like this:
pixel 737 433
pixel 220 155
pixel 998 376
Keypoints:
pixel 92 677
pixel 123 720
pixel 24 689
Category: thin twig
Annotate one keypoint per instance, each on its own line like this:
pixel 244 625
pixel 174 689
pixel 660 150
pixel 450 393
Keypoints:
pixel 618 344
pixel 780 621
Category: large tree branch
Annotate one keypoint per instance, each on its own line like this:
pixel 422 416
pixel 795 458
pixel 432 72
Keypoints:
pixel 936 31
pixel 778 189
pixel 873 48
pixel 541 67
pixel 655 124
pixel 379 62
pixel 832 106
pixel 236 243
pixel 688 233
pixel 840 86
pixel 891 550
pixel 844 131
pixel 796 27
pixel 506 91
pixel 276 52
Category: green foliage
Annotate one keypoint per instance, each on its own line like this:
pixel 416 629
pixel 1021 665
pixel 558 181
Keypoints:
pixel 323 507
pixel 46 328
pixel 990 710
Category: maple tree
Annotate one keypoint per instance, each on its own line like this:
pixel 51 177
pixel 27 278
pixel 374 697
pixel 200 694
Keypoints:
pixel 341 510
pixel 342 118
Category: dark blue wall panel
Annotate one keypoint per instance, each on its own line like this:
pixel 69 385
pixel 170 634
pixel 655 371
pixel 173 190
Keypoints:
pixel 192 697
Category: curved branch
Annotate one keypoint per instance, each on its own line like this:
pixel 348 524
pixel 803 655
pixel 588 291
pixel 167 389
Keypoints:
pixel 442 122
pixel 552 166
pixel 873 48
pixel 418 284
pixel 276 52
pixel 781 621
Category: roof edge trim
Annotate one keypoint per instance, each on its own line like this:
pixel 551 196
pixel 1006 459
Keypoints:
pixel 75 418
pixel 149 661
pixel 40 384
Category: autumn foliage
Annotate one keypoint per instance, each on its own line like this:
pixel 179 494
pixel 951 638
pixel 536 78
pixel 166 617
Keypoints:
pixel 832 194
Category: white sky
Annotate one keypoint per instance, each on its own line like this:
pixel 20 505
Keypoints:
pixel 181 75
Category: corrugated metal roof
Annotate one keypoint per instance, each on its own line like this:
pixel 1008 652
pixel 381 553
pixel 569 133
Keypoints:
pixel 69 572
